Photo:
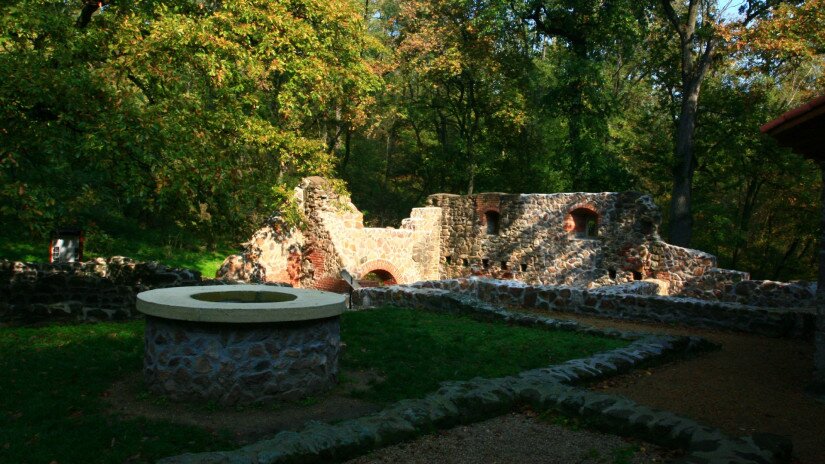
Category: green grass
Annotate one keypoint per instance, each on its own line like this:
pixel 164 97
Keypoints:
pixel 54 379
pixel 415 350
pixel 170 247
pixel 52 408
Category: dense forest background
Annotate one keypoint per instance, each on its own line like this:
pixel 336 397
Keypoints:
pixel 196 118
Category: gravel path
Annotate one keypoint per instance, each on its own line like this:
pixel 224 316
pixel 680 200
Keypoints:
pixel 753 384
pixel 515 438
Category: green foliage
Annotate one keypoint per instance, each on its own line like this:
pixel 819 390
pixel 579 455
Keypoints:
pixel 415 350
pixel 202 116
pixel 171 112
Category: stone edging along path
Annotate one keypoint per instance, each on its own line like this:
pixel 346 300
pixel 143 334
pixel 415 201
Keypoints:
pixel 550 388
pixel 634 302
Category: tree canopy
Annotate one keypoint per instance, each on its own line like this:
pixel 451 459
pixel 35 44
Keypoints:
pixel 205 113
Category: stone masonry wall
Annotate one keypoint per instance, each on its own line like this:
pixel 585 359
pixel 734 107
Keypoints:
pixel 241 363
pixel 634 301
pixel 537 240
pixel 334 238
pixel 584 240
pixel 100 289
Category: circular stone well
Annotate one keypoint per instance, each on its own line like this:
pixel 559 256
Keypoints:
pixel 241 343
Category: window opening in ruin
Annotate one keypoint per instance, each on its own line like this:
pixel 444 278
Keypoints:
pixel 585 223
pixel 448 259
pixel 486 263
pixel 492 219
pixel 465 262
pixel 647 227
pixel 637 275
pixel 504 265
pixel 611 273
pixel 523 267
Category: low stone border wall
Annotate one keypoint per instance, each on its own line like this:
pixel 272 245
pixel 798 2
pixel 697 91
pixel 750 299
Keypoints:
pixel 736 287
pixel 96 290
pixel 615 302
pixel 100 289
pixel 544 389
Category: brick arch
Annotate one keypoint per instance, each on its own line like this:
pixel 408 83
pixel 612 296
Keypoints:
pixel 380 265
pixel 573 221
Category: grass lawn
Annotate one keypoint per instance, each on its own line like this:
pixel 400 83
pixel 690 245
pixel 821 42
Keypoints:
pixel 55 379
pixel 171 248
pixel 415 350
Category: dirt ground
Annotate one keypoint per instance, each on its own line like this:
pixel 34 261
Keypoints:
pixel 247 424
pixel 753 384
pixel 516 438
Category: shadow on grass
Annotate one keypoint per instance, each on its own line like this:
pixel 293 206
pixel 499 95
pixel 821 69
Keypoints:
pixel 53 410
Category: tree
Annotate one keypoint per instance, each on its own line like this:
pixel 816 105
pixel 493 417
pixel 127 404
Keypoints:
pixel 701 30
pixel 196 113
pixel 592 33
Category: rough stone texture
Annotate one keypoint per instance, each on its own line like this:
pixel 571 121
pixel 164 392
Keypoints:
pixel 733 286
pixel 633 302
pixel 240 363
pixel 538 240
pixel 541 239
pixel 545 388
pixel 334 238
pixel 100 289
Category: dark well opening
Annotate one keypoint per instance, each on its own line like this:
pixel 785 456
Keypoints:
pixel 239 296
pixel 492 220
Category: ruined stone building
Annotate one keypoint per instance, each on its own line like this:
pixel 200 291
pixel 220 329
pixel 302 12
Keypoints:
pixel 578 239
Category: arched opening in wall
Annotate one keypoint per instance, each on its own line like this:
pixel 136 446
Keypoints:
pixel 585 223
pixel 492 218
pixel 377 278
pixel 646 227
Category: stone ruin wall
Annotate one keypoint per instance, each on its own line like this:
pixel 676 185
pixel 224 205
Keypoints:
pixel 99 289
pixel 536 240
pixel 334 238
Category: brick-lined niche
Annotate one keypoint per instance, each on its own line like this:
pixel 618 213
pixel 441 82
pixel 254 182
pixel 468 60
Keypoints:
pixel 585 223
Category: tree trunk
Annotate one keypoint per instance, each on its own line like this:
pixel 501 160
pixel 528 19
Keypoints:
pixel 347 149
pixel 820 282
pixel 681 219
pixel 819 357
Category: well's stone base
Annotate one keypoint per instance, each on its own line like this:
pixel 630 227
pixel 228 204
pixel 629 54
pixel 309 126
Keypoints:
pixel 240 363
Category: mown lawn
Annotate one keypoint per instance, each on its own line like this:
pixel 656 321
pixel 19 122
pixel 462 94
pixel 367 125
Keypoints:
pixel 54 379
pixel 169 248
pixel 415 350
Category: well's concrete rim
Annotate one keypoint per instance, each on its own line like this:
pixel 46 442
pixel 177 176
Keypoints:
pixel 178 303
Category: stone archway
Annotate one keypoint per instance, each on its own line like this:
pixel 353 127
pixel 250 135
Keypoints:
pixel 378 272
